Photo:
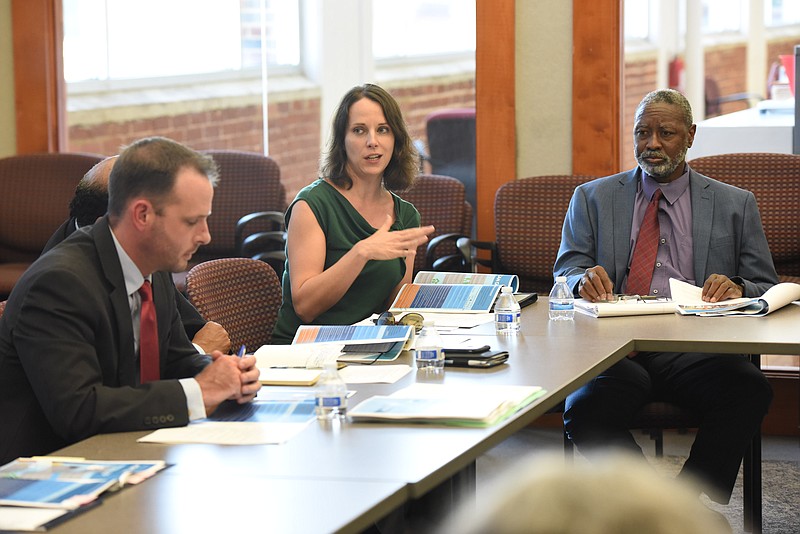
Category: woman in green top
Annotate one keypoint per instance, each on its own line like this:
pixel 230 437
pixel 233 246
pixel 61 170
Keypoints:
pixel 351 241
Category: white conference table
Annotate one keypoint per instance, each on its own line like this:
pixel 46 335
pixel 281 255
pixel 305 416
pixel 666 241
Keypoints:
pixel 369 470
pixel 749 130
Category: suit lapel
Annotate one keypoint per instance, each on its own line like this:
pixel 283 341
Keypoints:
pixel 622 214
pixel 702 217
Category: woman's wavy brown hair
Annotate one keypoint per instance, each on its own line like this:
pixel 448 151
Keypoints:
pixel 404 164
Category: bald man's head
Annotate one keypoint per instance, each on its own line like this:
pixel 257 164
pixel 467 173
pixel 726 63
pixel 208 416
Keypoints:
pixel 91 196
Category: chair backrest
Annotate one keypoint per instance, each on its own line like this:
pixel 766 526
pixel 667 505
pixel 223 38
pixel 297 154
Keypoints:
pixel 774 179
pixel 528 216
pixel 36 190
pixel 451 143
pixel 2 307
pixel 249 182
pixel 241 294
pixel 441 202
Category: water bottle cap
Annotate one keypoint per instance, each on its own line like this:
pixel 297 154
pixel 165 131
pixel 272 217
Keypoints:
pixel 561 278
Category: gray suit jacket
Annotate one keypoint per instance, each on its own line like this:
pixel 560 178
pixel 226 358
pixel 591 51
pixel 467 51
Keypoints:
pixel 68 369
pixel 727 234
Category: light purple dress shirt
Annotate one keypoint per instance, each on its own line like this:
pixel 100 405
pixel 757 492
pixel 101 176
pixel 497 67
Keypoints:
pixel 675 258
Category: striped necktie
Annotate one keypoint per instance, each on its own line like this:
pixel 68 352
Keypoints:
pixel 644 255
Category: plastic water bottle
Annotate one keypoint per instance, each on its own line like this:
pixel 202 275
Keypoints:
pixel 506 313
pixel 331 394
pixel 428 349
pixel 562 302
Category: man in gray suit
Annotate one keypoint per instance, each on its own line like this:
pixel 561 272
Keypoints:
pixel 707 233
pixel 70 336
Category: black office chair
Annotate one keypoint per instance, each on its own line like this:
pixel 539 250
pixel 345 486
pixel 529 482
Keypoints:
pixel 715 100
pixel 451 142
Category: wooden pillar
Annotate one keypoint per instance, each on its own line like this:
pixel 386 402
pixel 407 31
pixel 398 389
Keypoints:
pixel 39 87
pixel 597 42
pixel 495 107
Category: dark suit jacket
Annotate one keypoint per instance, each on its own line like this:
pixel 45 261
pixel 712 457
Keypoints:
pixel 68 369
pixel 727 234
pixel 191 319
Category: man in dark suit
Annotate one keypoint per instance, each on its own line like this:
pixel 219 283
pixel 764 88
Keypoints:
pixel 70 335
pixel 87 206
pixel 708 234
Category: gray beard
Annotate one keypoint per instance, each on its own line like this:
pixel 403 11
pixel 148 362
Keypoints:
pixel 662 170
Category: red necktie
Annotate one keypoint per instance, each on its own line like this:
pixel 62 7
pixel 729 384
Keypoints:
pixel 644 255
pixel 148 336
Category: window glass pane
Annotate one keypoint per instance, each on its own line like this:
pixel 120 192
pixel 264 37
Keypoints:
pixel 120 39
pixel 637 17
pixel 781 12
pixel 422 27
pixel 721 16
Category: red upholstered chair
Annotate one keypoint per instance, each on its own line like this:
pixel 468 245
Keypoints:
pixel 241 294
pixel 36 190
pixel 441 202
pixel 249 182
pixel 528 216
pixel 774 179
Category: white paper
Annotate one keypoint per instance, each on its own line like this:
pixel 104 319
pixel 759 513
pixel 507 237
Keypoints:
pixel 773 299
pixel 374 374
pixel 27 519
pixel 222 433
pixel 448 321
pixel 278 376
pixel 308 356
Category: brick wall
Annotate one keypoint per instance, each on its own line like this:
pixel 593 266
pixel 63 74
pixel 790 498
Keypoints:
pixel 294 127
pixel 723 63
pixel 639 78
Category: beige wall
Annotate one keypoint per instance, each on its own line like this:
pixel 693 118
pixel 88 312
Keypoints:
pixel 544 87
pixel 8 137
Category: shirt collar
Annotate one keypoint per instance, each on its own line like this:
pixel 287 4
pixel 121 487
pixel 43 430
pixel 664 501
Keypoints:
pixel 131 273
pixel 672 191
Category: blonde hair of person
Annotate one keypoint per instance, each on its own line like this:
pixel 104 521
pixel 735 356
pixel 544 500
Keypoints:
pixel 613 495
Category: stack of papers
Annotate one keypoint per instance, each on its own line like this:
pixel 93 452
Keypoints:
pixel 622 308
pixel 687 300
pixel 301 363
pixel 773 299
pixel 452 292
pixel 52 482
pixel 447 404
pixel 36 492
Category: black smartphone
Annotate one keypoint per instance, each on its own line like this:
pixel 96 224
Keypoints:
pixel 486 359
pixel 526 299
pixel 467 348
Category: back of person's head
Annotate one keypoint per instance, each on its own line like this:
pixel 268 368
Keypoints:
pixel 148 168
pixel 618 495
pixel 667 96
pixel 91 195
pixel 404 165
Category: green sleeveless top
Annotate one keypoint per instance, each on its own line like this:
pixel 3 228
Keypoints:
pixel 343 227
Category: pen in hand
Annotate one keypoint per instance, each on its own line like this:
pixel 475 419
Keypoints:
pixel 241 352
